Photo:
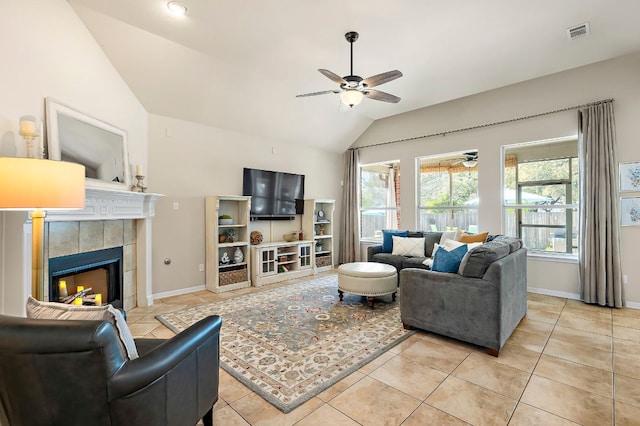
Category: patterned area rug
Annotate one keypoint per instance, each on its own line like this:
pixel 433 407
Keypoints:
pixel 290 343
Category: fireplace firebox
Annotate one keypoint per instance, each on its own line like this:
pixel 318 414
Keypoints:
pixel 100 270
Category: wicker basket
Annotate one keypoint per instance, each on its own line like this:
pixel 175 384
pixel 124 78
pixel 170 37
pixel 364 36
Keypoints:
pixel 232 277
pixel 323 261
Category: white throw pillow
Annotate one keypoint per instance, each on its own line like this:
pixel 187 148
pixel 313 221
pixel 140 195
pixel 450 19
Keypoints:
pixel 413 247
pixel 62 311
pixel 447 235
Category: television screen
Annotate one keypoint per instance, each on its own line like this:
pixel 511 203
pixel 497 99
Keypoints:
pixel 272 193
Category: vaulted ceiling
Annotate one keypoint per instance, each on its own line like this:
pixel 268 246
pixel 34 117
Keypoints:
pixel 238 64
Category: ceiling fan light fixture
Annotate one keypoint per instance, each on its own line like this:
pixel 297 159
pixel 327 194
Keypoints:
pixel 470 163
pixel 351 97
pixel 177 8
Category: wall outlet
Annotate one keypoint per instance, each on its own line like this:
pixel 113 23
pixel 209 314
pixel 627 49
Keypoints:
pixel 625 279
pixel 201 267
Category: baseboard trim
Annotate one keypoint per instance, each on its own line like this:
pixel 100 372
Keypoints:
pixel 178 292
pixel 548 292
pixel 574 296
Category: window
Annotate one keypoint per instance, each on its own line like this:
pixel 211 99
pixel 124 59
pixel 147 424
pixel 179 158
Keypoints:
pixel 448 192
pixel 379 198
pixel 541 195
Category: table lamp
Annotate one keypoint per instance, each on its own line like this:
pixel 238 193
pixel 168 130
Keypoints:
pixel 36 186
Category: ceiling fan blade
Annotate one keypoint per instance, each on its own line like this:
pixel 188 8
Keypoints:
pixel 379 79
pixel 334 77
pixel 381 96
pixel 324 92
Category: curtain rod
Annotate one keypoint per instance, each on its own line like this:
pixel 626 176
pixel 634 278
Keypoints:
pixel 481 126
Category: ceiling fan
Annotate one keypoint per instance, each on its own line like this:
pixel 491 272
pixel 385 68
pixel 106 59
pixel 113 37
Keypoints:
pixel 354 88
pixel 468 159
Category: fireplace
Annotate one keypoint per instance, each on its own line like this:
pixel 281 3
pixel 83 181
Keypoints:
pixel 100 270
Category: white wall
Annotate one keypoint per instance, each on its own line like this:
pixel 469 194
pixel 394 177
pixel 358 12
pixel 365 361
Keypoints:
pixel 617 78
pixel 48 52
pixel 189 161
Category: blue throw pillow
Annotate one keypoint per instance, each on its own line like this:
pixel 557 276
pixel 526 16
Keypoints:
pixel 387 240
pixel 448 261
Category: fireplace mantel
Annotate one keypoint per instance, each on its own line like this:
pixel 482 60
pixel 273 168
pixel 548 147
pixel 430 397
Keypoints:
pixel 109 204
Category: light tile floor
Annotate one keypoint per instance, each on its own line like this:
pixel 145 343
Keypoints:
pixel 567 363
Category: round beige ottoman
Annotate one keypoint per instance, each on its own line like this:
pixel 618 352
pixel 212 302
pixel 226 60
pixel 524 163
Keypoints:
pixel 368 279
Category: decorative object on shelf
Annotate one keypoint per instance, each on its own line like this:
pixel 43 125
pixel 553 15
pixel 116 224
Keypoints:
pixel 256 237
pixel 320 229
pixel 290 236
pixel 29 132
pixel 630 176
pixel 320 214
pixel 222 238
pixel 318 247
pixel 238 257
pixel 139 185
pixel 231 235
pixel 300 236
pixel 224 260
pixel 225 219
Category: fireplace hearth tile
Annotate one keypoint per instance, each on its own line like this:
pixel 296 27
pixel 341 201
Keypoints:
pixel 91 235
pixel 129 232
pixel 130 258
pixel 63 238
pixel 113 233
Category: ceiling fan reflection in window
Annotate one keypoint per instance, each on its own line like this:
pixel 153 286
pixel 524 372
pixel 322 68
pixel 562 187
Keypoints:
pixel 354 88
pixel 468 159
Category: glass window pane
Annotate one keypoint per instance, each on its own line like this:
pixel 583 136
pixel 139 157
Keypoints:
pixel 543 170
pixel 373 189
pixel 465 188
pixel 434 189
pixel 373 221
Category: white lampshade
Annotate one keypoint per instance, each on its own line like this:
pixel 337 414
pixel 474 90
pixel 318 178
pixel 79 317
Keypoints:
pixel 351 97
pixel 29 183
pixel 470 163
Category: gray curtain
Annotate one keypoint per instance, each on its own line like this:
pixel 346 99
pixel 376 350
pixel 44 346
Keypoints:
pixel 600 270
pixel 350 225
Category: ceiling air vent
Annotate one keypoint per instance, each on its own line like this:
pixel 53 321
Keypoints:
pixel 578 31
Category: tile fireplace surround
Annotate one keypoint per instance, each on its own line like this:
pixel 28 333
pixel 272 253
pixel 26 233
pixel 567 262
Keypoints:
pixel 111 218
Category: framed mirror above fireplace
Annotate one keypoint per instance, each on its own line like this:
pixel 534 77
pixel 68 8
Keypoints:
pixel 79 138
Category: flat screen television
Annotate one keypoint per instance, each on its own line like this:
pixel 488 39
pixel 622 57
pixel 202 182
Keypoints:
pixel 274 195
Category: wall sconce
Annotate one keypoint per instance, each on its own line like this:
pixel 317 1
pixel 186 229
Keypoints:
pixel 29 131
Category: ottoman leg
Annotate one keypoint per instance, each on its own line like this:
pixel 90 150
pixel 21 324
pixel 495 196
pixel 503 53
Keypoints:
pixel 371 298
pixel 393 296
pixel 340 294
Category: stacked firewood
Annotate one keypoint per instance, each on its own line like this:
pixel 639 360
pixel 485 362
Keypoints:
pixel 84 295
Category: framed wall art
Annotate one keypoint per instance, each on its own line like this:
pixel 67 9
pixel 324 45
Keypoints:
pixel 630 211
pixel 629 176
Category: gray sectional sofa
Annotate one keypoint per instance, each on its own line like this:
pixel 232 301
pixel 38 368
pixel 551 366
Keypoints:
pixel 375 254
pixel 481 304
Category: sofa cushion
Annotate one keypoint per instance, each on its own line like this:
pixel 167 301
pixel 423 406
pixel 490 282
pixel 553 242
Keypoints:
pixel 448 261
pixel 431 238
pixel 62 311
pixel 478 260
pixel 416 262
pixel 389 259
pixel 514 243
pixel 412 247
pixel 387 241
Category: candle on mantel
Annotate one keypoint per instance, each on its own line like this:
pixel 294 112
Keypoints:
pixel 79 288
pixel 77 301
pixel 98 299
pixel 27 128
pixel 139 170
pixel 62 288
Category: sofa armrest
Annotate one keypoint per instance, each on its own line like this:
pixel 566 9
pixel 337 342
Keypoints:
pixel 135 375
pixel 374 249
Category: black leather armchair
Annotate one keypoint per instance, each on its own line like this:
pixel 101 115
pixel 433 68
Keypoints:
pixel 56 372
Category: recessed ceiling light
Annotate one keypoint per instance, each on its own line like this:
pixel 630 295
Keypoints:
pixel 177 8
